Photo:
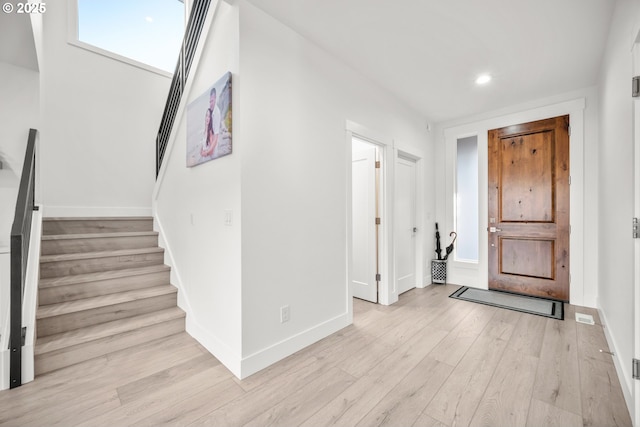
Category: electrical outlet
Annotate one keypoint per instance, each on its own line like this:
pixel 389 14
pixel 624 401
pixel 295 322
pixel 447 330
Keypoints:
pixel 285 314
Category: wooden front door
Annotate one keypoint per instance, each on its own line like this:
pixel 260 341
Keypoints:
pixel 529 208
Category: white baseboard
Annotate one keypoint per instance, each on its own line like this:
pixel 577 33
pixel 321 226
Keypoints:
pixel 270 355
pixel 622 368
pixel 221 351
pixel 426 280
pixel 242 367
pixel 175 279
pixel 95 211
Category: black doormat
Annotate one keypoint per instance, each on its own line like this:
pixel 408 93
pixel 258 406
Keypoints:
pixel 526 304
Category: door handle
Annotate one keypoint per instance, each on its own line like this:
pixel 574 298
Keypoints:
pixel 493 229
pixel 415 229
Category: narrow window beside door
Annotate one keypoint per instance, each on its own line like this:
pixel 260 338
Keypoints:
pixel 466 199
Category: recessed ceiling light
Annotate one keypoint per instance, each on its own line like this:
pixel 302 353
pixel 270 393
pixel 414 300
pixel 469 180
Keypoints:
pixel 148 19
pixel 483 79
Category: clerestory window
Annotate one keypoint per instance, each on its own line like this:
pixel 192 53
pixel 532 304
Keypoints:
pixel 141 32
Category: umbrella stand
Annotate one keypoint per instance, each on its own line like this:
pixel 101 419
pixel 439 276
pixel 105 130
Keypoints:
pixel 438 266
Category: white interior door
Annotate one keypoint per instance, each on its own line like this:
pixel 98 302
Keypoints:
pixel 635 411
pixel 363 226
pixel 636 305
pixel 405 224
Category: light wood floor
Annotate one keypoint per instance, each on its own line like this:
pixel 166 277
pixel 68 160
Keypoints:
pixel 428 360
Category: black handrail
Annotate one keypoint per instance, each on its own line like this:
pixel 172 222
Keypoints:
pixel 20 235
pixel 189 43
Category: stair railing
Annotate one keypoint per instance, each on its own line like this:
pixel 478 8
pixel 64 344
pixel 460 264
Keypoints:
pixel 20 236
pixel 189 43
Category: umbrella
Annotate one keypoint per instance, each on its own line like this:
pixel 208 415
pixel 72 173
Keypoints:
pixel 449 248
pixel 438 247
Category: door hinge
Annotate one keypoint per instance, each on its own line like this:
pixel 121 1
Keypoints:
pixel 569 130
pixel 569 179
pixel 378 164
pixel 635 87
pixel 636 229
pixel 636 369
pixel 378 278
pixel 377 221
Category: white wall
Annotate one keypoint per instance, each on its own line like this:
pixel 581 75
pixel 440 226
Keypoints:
pixel 100 119
pixel 286 185
pixel 190 210
pixel 584 184
pixel 294 102
pixel 8 196
pixel 615 285
pixel 19 111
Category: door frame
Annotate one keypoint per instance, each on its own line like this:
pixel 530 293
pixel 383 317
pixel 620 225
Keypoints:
pixel 635 385
pixel 634 399
pixel 387 292
pixel 419 222
pixel 385 147
pixel 469 275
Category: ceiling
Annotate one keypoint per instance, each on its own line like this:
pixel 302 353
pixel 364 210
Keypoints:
pixel 429 52
pixel 16 41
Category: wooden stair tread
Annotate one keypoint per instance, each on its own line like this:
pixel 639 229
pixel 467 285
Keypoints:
pixel 79 336
pixel 100 254
pixel 99 235
pixel 101 275
pixel 103 287
pixel 51 310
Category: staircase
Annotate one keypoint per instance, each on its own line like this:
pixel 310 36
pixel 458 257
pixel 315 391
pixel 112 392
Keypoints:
pixel 103 288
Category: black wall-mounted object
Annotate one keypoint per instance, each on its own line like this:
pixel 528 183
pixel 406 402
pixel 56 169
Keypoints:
pixel 635 87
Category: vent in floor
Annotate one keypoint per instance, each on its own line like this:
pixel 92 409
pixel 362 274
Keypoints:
pixel 587 319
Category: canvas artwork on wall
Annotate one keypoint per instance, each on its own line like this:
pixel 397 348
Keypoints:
pixel 209 123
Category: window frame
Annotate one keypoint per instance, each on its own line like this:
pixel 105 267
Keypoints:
pixel 456 257
pixel 74 40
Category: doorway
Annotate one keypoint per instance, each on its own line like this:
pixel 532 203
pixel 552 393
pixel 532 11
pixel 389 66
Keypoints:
pixel 528 208
pixel 365 219
pixel 405 224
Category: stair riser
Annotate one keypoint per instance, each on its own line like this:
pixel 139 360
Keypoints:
pixel 97 244
pixel 79 353
pixel 67 322
pixel 78 291
pixel 95 226
pixel 93 265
